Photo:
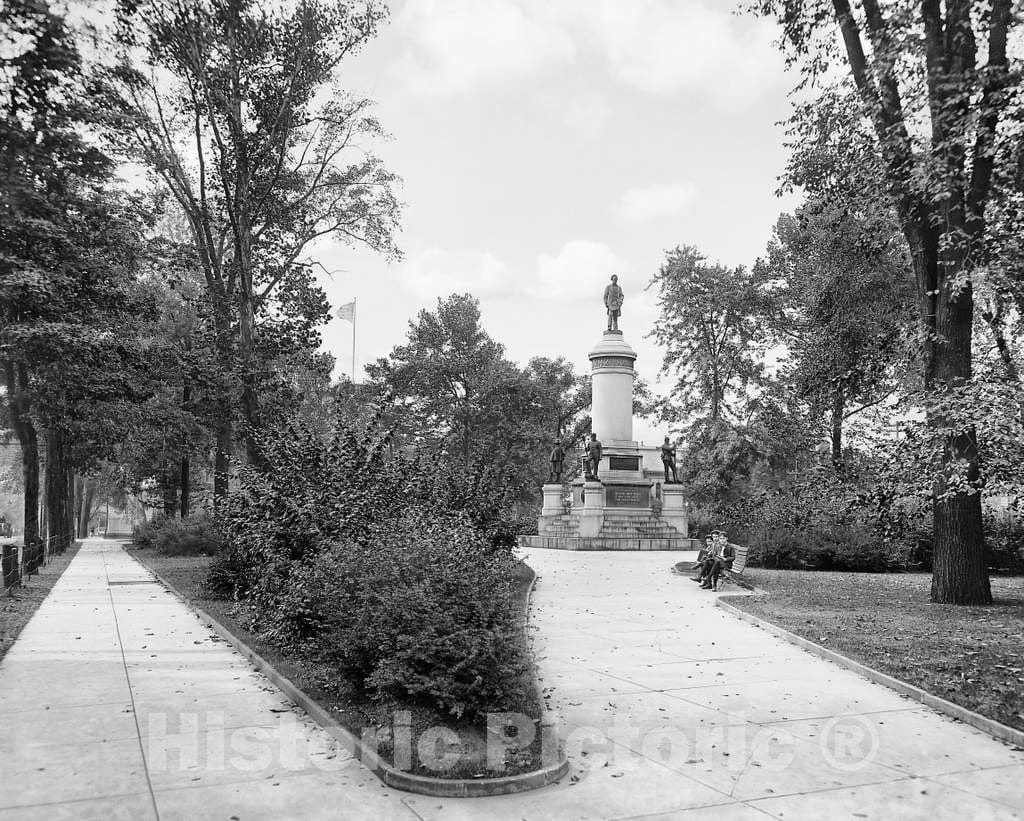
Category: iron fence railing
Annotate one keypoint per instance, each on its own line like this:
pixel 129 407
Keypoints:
pixel 18 562
pixel 9 564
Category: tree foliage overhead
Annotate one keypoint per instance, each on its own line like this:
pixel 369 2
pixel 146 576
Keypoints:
pixel 69 246
pixel 841 300
pixel 233 105
pixel 451 379
pixel 563 398
pixel 454 392
pixel 713 339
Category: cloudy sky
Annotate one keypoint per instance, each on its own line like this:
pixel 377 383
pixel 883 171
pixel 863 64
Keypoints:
pixel 546 145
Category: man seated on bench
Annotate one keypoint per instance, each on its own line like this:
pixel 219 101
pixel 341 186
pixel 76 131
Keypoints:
pixel 708 554
pixel 721 556
pixel 723 561
pixel 707 550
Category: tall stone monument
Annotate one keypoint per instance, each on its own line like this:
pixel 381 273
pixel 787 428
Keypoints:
pixel 625 504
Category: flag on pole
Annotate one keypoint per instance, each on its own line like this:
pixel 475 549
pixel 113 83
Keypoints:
pixel 347 311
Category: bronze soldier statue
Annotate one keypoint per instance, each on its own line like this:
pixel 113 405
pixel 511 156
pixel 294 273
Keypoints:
pixel 613 303
pixel 668 461
pixel 557 460
pixel 592 462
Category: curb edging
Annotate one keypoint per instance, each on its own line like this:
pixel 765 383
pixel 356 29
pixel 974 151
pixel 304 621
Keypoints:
pixel 990 726
pixel 392 777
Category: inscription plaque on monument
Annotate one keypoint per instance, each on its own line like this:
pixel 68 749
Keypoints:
pixel 627 496
pixel 624 463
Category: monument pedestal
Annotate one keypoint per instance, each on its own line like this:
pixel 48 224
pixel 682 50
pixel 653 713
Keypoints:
pixel 591 518
pixel 673 508
pixel 552 500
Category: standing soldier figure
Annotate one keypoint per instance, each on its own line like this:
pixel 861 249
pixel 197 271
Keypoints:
pixel 668 461
pixel 557 460
pixel 613 303
pixel 594 451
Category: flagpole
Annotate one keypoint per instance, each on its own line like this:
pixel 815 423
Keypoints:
pixel 354 300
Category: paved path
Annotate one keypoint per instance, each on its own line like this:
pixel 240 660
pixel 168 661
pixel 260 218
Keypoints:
pixel 116 702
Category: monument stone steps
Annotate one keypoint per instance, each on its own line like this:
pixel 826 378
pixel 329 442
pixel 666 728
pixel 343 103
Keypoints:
pixel 616 525
pixel 568 530
pixel 678 543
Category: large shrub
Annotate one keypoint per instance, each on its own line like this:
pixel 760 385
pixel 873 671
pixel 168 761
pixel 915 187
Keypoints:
pixel 143 534
pixel 307 496
pixel 310 494
pixel 424 610
pixel 818 524
pixel 1004 541
pixel 191 536
pixel 390 567
pixel 482 492
pixel 838 547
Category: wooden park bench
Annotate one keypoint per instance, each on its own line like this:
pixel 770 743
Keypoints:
pixel 735 575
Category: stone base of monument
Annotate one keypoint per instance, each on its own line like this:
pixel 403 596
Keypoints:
pixel 615 514
pixel 618 530
pixel 604 543
pixel 552 500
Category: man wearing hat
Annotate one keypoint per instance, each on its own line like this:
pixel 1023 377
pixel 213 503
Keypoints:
pixel 706 550
pixel 720 557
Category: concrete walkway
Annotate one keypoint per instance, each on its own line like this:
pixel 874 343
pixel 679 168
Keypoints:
pixel 116 702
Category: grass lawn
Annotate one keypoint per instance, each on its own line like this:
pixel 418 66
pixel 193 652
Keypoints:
pixel 21 604
pixel 973 656
pixel 340 697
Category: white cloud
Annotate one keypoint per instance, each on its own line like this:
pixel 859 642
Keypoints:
pixel 664 46
pixel 581 267
pixel 660 47
pixel 655 201
pixel 588 112
pixel 455 45
pixel 435 272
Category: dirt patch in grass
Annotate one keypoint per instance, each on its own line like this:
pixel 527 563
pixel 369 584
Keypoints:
pixel 343 699
pixel 972 656
pixel 21 604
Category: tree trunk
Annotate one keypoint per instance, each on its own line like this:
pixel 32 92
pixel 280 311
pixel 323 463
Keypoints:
pixel 184 480
pixel 56 490
pixel 41 517
pixel 17 386
pixel 88 498
pixel 250 399
pixel 222 457
pixel 30 478
pixel 225 444
pixel 994 320
pixel 943 229
pixel 79 484
pixel 838 406
pixel 170 491
pixel 959 565
pixel 69 511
